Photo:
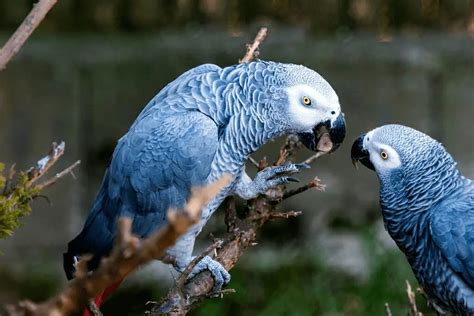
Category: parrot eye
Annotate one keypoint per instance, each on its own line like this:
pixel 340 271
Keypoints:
pixel 384 155
pixel 306 100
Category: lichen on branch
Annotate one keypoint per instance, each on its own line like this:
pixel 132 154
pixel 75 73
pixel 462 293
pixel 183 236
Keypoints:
pixel 14 201
pixel 18 190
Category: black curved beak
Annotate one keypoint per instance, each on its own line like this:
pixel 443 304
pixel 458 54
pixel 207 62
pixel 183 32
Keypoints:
pixel 317 140
pixel 359 153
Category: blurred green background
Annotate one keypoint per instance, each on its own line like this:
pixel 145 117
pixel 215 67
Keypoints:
pixel 88 70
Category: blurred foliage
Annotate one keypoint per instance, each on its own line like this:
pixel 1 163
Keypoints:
pixel 301 288
pixel 15 197
pixel 320 16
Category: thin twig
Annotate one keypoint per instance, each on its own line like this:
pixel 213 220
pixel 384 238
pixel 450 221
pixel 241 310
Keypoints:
pixel 282 156
pixel 388 310
pixel 262 164
pixel 412 300
pixel 284 215
pixel 314 157
pixel 29 24
pixel 252 50
pixel 58 176
pixel 315 183
pixel 43 165
pixel 253 161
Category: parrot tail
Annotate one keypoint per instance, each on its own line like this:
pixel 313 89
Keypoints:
pixel 99 299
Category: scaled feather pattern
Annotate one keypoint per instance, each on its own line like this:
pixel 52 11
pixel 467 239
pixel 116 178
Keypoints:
pixel 199 127
pixel 428 209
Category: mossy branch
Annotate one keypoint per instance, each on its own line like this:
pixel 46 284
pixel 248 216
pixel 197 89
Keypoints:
pixel 17 190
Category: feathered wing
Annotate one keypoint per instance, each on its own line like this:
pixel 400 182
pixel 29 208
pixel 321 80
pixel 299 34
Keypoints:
pixel 153 168
pixel 452 230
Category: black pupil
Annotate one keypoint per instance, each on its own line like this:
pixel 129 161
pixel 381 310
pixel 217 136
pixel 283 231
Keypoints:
pixel 333 112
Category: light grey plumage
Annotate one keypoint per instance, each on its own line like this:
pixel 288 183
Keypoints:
pixel 200 126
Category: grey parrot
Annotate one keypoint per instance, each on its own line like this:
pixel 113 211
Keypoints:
pixel 428 209
pixel 202 125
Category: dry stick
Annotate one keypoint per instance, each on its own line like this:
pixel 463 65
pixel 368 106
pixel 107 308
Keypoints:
pixel 43 165
pixel 315 183
pixel 252 50
pixel 58 176
pixel 253 161
pixel 412 300
pixel 29 24
pixel 388 310
pixel 127 255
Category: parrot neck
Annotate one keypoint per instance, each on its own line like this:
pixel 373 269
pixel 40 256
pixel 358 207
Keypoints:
pixel 407 205
pixel 243 135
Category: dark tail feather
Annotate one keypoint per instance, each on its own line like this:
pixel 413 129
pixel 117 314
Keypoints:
pixel 99 299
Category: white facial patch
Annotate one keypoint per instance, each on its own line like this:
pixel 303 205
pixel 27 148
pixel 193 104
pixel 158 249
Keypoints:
pixel 382 156
pixel 306 116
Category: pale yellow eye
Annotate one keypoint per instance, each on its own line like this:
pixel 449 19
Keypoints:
pixel 306 100
pixel 384 155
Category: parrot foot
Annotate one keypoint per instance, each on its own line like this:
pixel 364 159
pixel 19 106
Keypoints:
pixel 273 176
pixel 219 273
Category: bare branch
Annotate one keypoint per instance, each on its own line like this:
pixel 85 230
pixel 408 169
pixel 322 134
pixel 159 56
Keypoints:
pixel 43 165
pixel 315 183
pixel 282 156
pixel 58 176
pixel 314 157
pixel 284 215
pixel 412 299
pixel 29 24
pixel 127 255
pixel 253 161
pixel 252 50
pixel 388 310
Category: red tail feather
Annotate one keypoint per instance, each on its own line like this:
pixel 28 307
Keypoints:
pixel 99 299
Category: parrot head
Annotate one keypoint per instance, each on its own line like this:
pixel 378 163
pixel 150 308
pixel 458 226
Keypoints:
pixel 407 162
pixel 300 101
pixel 309 107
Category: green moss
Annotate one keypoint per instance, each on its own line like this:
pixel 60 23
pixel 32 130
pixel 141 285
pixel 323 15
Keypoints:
pixel 15 198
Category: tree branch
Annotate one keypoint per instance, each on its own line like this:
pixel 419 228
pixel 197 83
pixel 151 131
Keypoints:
pixel 252 49
pixel 315 183
pixel 127 255
pixel 29 24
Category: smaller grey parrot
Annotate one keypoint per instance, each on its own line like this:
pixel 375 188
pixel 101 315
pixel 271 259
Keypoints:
pixel 428 210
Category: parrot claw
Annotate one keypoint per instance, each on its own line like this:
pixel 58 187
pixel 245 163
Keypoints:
pixel 293 179
pixel 219 273
pixel 271 177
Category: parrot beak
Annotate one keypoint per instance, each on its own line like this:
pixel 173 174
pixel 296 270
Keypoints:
pixel 359 153
pixel 326 136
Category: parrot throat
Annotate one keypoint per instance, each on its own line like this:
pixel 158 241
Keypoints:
pixel 407 201
pixel 243 135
